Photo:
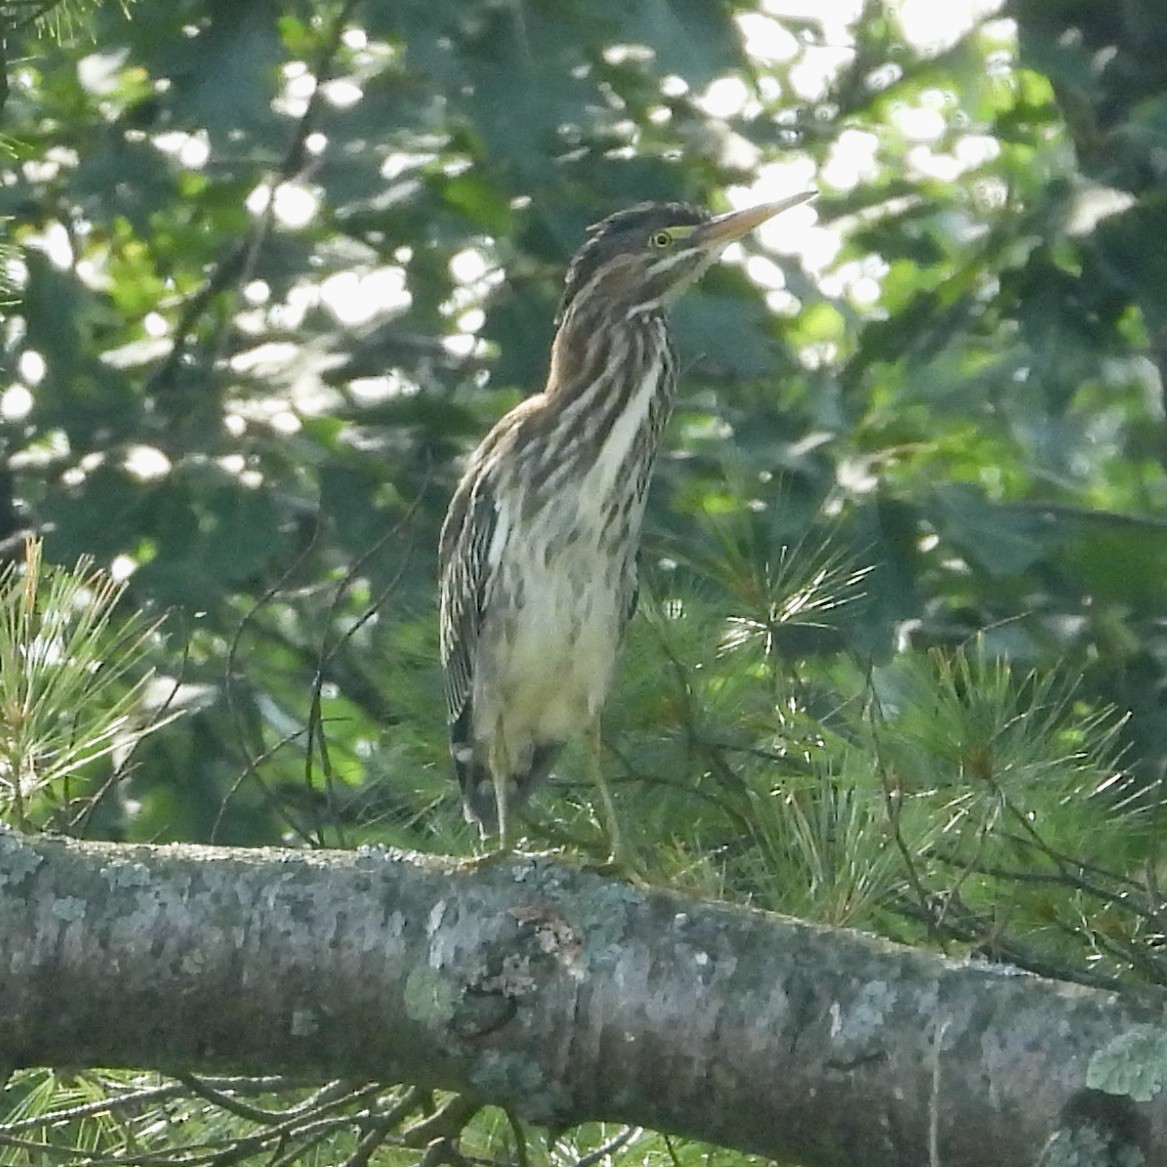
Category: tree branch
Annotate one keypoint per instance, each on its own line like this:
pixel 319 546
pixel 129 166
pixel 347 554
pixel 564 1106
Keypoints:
pixel 561 995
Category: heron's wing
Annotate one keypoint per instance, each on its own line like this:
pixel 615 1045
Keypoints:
pixel 631 603
pixel 466 537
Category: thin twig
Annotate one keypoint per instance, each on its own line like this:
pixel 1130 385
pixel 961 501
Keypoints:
pixel 445 1123
pixel 628 1135
pixel 316 740
pixel 380 1125
pixel 251 763
pixel 89 1109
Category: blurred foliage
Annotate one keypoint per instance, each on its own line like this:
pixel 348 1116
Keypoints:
pixel 901 659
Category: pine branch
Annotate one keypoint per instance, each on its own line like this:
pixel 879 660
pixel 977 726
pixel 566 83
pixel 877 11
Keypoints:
pixel 557 994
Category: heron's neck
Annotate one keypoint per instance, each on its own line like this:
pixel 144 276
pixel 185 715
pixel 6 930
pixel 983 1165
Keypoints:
pixel 607 355
pixel 609 395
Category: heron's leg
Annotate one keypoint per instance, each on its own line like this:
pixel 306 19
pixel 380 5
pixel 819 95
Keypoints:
pixel 500 769
pixel 619 858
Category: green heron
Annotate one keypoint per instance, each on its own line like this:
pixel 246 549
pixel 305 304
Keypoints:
pixel 538 548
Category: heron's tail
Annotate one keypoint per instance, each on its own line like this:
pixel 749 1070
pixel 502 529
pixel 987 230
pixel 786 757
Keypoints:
pixel 473 775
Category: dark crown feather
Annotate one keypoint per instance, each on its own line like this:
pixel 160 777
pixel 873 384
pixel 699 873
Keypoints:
pixel 626 230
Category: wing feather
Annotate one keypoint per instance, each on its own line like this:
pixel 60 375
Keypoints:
pixel 466 537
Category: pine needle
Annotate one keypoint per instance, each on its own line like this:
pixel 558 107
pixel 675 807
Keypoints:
pixel 72 681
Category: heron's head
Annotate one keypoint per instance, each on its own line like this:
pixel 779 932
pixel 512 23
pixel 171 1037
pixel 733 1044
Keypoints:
pixel 642 259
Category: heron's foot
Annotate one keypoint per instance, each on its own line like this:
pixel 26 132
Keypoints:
pixel 487 858
pixel 622 863
pixel 491 858
pixel 554 854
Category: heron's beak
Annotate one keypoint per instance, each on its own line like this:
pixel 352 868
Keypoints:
pixel 726 228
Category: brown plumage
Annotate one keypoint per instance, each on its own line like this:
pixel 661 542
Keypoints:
pixel 538 549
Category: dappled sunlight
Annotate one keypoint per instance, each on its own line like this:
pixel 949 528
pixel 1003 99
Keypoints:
pixel 897 657
pixel 276 280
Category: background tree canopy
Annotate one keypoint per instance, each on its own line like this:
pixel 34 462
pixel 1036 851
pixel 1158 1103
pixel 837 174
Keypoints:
pixel 281 263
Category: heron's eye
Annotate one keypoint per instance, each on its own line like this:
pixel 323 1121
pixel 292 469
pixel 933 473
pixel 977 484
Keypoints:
pixel 660 240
